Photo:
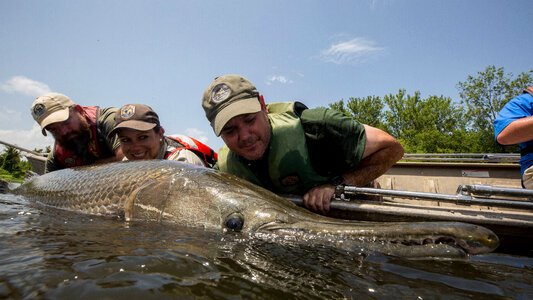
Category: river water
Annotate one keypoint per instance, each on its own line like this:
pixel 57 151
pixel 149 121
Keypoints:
pixel 52 254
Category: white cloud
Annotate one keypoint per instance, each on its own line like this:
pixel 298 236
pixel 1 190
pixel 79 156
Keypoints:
pixel 353 51
pixel 197 134
pixel 9 115
pixel 279 78
pixel 26 86
pixel 28 139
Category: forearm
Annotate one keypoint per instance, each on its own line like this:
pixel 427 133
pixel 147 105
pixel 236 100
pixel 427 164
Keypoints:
pixel 371 167
pixel 518 131
pixel 374 165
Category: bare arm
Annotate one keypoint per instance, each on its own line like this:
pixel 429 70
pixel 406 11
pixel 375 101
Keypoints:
pixel 518 131
pixel 381 152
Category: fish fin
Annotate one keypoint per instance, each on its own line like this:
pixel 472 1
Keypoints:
pixel 129 203
pixel 151 207
pixel 28 175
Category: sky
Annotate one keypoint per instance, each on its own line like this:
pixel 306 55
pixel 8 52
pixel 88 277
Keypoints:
pixel 165 53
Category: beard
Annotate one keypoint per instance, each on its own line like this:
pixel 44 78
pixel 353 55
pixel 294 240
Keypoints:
pixel 78 141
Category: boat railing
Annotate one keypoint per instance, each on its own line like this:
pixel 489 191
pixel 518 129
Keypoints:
pixel 466 195
pixel 24 149
pixel 463 157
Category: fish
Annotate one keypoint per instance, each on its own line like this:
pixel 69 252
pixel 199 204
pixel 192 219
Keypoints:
pixel 192 196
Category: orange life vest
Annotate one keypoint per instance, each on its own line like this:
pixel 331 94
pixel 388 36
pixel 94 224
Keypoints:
pixel 98 144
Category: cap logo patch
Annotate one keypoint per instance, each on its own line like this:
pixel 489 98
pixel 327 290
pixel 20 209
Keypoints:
pixel 39 109
pixel 220 93
pixel 127 112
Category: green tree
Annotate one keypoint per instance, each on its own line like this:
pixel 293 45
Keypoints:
pixel 484 96
pixel 366 110
pixel 428 125
pixel 11 160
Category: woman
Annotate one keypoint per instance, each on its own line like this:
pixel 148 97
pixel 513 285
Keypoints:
pixel 142 137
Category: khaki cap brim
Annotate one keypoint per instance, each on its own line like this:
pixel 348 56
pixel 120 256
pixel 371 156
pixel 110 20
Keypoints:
pixel 239 107
pixel 58 116
pixel 133 124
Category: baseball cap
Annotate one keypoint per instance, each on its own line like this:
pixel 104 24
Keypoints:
pixel 135 116
pixel 50 108
pixel 229 96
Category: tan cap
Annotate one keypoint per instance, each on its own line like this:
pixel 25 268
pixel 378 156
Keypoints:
pixel 135 116
pixel 229 96
pixel 50 108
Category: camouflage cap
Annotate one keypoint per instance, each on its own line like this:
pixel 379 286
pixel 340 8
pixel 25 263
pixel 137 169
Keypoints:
pixel 50 108
pixel 229 96
pixel 135 116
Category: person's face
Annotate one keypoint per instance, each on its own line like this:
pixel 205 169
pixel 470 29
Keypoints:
pixel 247 135
pixel 73 128
pixel 137 145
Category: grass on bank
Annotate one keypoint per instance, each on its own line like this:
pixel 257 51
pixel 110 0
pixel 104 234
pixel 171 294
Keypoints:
pixel 11 177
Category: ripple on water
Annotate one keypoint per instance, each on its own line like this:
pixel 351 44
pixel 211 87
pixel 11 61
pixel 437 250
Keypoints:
pixel 51 253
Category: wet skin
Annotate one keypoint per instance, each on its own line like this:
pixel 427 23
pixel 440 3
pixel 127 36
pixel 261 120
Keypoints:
pixel 168 191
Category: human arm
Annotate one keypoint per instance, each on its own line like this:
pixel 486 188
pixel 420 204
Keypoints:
pixel 117 157
pixel 518 131
pixel 380 153
pixel 52 164
pixel 514 122
pixel 106 124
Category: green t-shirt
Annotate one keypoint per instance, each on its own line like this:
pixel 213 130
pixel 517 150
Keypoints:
pixel 106 123
pixel 335 142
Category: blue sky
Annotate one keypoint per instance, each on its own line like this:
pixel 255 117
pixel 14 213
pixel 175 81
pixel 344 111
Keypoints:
pixel 165 53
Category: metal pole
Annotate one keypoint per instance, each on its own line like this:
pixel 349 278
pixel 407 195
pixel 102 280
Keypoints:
pixel 458 198
pixel 23 149
pixel 488 190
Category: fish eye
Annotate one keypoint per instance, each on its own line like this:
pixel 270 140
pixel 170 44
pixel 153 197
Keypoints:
pixel 234 222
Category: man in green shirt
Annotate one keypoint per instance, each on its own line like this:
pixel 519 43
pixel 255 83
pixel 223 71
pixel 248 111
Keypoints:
pixel 288 148
pixel 80 132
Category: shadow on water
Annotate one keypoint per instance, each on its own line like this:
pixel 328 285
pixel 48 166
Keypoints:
pixel 48 253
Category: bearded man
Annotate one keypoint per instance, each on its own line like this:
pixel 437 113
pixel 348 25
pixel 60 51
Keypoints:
pixel 80 132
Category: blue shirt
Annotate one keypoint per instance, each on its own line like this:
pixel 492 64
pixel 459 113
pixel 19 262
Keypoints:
pixel 519 107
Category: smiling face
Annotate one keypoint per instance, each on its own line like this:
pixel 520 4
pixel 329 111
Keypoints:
pixel 138 145
pixel 247 135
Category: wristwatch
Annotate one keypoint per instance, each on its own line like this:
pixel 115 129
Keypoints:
pixel 339 183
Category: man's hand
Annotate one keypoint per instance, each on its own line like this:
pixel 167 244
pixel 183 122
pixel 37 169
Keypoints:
pixel 318 198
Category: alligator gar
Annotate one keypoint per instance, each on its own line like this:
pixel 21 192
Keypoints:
pixel 187 195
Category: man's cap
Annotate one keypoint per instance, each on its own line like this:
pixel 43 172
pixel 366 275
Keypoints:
pixel 135 116
pixel 229 96
pixel 50 108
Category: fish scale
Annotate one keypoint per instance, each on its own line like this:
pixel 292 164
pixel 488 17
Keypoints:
pixel 168 191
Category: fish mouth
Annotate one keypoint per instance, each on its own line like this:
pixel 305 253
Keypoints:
pixel 429 239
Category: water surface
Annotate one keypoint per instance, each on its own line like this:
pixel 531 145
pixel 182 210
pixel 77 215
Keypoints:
pixel 55 254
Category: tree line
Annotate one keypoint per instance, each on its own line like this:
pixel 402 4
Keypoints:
pixel 437 124
pixel 12 166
